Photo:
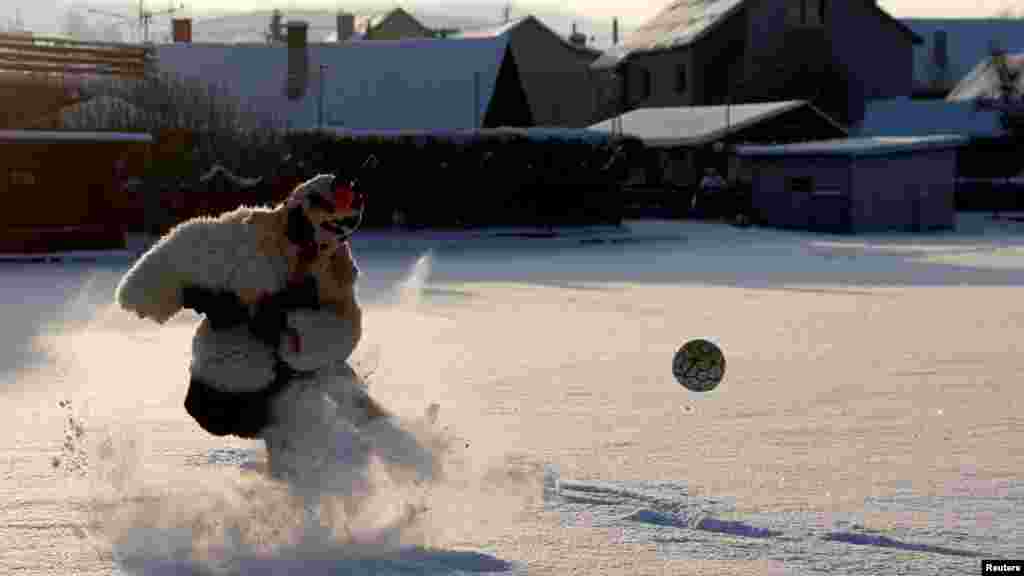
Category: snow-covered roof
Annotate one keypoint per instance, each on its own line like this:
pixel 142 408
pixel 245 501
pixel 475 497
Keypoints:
pixel 854 146
pixel 906 117
pixel 73 136
pixel 416 84
pixel 492 31
pixel 982 82
pixel 683 22
pixel 696 125
pixel 510 26
pixel 968 41
pixel 679 24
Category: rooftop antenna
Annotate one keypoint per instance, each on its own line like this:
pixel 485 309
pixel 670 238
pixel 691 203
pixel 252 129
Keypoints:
pixel 145 16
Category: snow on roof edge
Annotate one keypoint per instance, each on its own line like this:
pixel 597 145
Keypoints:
pixel 73 136
pixel 766 111
pixel 855 147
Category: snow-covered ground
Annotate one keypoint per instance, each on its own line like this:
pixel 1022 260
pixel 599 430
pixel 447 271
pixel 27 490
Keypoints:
pixel 870 420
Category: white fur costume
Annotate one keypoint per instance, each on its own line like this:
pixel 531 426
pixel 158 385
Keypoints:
pixel 322 419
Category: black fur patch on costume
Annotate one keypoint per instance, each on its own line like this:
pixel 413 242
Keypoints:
pixel 223 309
pixel 270 318
pixel 318 201
pixel 242 414
pixel 300 229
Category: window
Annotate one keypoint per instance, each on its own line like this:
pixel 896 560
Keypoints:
pixel 681 79
pixel 22 178
pixel 801 184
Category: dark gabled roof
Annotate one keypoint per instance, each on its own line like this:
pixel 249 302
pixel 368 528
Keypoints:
pixel 510 26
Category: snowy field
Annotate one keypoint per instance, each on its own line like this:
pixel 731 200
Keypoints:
pixel 870 421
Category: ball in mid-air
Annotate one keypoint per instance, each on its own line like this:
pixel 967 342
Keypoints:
pixel 699 365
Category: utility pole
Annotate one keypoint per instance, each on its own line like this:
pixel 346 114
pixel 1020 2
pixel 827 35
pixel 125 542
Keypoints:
pixel 320 103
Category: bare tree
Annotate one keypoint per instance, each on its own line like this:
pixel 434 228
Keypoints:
pixel 221 129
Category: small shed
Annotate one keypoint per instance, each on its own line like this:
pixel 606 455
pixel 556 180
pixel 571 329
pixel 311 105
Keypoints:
pixel 68 190
pixel 854 184
pixel 684 138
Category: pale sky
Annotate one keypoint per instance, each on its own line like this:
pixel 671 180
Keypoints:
pixel 46 15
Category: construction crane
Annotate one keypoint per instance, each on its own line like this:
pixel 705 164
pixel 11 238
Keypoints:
pixel 144 18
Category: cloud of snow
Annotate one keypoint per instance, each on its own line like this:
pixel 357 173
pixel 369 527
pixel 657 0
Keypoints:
pixel 151 513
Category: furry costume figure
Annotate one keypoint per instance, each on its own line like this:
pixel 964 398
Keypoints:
pixel 269 359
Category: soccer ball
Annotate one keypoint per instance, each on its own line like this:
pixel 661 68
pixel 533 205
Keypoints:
pixel 699 365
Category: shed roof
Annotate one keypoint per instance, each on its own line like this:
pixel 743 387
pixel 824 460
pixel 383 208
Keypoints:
pixel 419 84
pixel 697 125
pixel 72 136
pixel 906 117
pixel 855 147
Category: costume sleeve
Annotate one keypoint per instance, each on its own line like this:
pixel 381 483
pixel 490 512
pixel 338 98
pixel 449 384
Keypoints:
pixel 195 253
pixel 322 338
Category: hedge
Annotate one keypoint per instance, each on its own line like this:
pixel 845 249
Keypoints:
pixel 489 178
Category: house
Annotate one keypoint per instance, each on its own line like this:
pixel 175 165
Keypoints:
pixel 854 185
pixel 395 24
pixel 555 72
pixel 415 84
pixel 684 138
pixel 705 52
pixel 897 117
pixel 952 47
pixel 983 82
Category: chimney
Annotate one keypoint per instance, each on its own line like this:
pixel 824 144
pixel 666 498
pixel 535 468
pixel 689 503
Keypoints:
pixel 346 26
pixel 275 27
pixel 298 59
pixel 940 49
pixel 182 30
pixel 576 38
pixel 615 31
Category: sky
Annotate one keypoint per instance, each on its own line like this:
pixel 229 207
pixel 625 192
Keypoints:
pixel 45 16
